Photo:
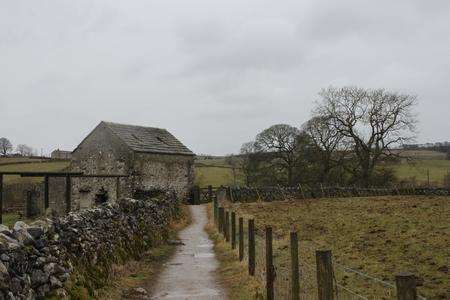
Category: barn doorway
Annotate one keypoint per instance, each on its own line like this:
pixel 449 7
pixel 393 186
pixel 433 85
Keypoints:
pixel 101 196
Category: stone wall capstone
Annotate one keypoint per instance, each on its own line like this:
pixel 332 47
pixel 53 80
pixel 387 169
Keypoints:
pixel 52 256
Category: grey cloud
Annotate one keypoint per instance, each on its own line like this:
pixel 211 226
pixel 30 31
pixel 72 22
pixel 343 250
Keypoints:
pixel 213 72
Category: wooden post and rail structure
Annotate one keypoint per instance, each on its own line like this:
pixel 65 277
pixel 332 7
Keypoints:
pixel 227 226
pixel 47 175
pixel 241 239
pixel 233 230
pixel 251 247
pixel 405 282
pixel 295 272
pixel 406 286
pixel 270 269
pixel 221 219
pixel 324 275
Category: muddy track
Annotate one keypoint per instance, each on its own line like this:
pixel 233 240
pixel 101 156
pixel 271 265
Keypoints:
pixel 190 273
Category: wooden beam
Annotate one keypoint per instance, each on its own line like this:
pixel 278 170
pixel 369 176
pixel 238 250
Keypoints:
pixel 99 175
pixel 46 192
pixel 1 198
pixel 49 174
pixel 68 193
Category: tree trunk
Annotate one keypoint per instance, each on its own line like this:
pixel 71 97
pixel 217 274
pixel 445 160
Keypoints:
pixel 289 174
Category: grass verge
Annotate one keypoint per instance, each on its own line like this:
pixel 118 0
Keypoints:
pixel 231 273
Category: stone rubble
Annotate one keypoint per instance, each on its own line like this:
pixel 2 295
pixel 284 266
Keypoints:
pixel 51 256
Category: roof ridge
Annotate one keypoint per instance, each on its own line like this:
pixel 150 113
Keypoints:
pixel 131 125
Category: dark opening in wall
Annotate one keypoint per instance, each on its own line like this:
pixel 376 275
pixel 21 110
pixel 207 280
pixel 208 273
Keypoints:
pixel 147 194
pixel 101 196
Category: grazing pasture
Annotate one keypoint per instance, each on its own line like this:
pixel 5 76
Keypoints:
pixel 421 154
pixel 217 171
pixel 45 166
pixel 417 171
pixel 13 160
pixel 378 236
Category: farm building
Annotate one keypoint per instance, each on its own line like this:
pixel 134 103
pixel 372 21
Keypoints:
pixel 61 154
pixel 151 157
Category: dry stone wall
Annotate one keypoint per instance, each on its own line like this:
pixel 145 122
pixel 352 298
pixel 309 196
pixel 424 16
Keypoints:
pixel 55 257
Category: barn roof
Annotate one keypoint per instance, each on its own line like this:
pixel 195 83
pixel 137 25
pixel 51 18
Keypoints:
pixel 148 139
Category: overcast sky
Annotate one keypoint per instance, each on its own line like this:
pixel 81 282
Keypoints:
pixel 214 73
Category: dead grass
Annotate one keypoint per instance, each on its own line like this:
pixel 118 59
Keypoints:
pixel 9 219
pixel 380 236
pixel 231 274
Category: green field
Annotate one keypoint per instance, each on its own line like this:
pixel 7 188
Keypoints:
pixel 212 171
pixel 417 171
pixel 216 172
pixel 216 176
pixel 47 166
pixel 421 154
pixel 12 160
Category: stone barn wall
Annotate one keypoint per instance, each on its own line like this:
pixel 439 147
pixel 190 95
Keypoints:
pixel 100 153
pixel 21 197
pixel 87 192
pixel 56 194
pixel 164 171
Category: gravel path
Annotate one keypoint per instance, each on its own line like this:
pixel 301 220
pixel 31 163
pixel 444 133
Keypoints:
pixel 190 273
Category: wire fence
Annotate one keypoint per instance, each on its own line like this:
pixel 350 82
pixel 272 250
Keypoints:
pixel 286 269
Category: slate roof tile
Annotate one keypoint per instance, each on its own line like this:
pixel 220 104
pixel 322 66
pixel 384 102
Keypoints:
pixel 148 139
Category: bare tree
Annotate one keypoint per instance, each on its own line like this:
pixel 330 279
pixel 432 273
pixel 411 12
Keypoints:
pixel 5 146
pixel 281 139
pixel 24 150
pixel 374 120
pixel 329 143
pixel 247 165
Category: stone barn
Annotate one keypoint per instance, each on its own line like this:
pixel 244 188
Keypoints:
pixel 151 157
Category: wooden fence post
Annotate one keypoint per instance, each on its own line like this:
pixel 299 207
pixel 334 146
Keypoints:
pixel 251 247
pixel 295 278
pixel 233 230
pixel 241 239
pixel 270 269
pixel 215 208
pixel 196 195
pixel 324 275
pixel 210 193
pixel 221 219
pixel 227 226
pixel 406 286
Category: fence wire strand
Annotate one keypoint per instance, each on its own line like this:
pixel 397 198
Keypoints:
pixel 345 286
